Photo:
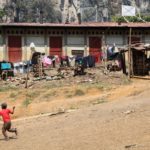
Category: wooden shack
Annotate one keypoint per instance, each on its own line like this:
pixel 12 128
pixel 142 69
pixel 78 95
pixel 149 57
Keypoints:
pixel 140 60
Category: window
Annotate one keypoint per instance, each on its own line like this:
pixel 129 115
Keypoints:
pixel 75 40
pixel 78 52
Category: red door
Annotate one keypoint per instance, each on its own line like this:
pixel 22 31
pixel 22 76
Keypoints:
pixel 55 46
pixel 95 47
pixel 14 48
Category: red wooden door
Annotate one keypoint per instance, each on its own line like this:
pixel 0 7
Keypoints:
pixel 55 46
pixel 95 47
pixel 14 48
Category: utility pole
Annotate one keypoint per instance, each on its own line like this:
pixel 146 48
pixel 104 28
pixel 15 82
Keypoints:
pixel 129 54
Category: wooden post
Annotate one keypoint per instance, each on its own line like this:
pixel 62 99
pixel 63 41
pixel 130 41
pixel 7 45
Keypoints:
pixel 40 67
pixel 26 58
pixel 27 76
pixel 104 51
pixel 129 54
pixel 65 41
pixel 85 43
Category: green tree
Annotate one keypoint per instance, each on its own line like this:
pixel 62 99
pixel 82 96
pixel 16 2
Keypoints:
pixel 32 11
pixel 2 14
pixel 131 19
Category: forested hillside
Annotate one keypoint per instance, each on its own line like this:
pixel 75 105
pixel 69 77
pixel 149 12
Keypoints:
pixel 66 10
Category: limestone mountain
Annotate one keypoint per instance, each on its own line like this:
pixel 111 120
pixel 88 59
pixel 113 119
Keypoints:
pixel 66 11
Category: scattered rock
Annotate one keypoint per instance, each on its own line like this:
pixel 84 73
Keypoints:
pixel 130 146
pixel 128 112
pixel 60 111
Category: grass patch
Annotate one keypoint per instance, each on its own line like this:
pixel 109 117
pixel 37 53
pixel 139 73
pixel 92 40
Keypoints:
pixel 33 94
pixel 73 107
pixel 53 85
pixel 13 95
pixel 104 86
pixel 125 80
pixel 79 92
pixel 99 101
pixel 68 93
pixel 7 88
pixel 69 96
pixel 51 94
pixel 98 86
pixel 26 102
pixel 29 97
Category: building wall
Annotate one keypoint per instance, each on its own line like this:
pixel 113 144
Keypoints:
pixel 75 43
pixel 38 42
pixel 71 40
pixel 1 49
pixel 114 39
pixel 1 53
pixel 147 40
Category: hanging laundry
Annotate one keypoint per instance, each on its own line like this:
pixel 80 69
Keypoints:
pixel 46 61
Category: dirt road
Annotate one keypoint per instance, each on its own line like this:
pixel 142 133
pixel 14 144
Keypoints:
pixel 118 125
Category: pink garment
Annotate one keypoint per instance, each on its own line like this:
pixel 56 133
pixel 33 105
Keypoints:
pixel 57 60
pixel 46 61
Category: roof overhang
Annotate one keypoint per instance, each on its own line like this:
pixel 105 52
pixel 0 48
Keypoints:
pixel 82 25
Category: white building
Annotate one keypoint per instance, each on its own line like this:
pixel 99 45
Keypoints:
pixel 66 39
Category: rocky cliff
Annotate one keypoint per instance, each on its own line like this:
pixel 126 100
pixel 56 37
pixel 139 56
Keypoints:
pixel 68 10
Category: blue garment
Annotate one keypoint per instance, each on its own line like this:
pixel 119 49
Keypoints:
pixel 91 61
pixel 5 66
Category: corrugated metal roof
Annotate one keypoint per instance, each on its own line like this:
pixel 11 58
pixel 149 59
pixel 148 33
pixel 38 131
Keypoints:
pixel 91 24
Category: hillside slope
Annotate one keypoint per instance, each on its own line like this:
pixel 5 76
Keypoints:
pixel 118 125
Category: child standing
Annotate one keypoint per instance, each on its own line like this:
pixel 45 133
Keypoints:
pixel 5 113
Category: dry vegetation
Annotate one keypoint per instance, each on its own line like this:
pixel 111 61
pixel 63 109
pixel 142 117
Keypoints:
pixel 69 92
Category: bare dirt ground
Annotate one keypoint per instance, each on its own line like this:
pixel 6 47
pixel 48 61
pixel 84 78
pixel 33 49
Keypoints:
pixel 100 112
pixel 116 118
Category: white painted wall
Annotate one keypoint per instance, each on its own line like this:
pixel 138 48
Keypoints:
pixel 75 43
pixel 1 49
pixel 117 39
pixel 75 40
pixel 38 42
pixel 147 39
pixel 1 53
